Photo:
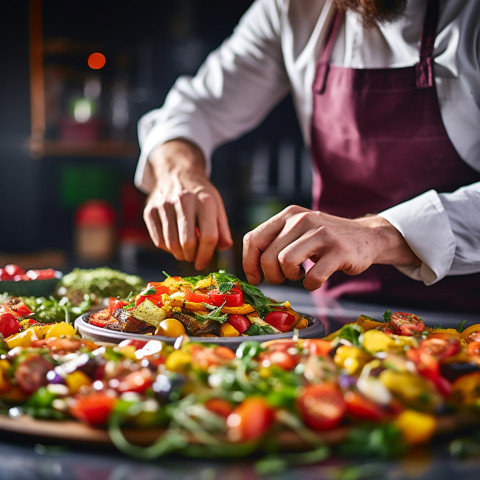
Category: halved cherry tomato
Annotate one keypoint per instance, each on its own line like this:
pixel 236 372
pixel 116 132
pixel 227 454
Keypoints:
pixel 232 298
pixel 205 357
pixel 154 297
pixel 473 349
pixel 21 310
pixel 115 304
pixel 239 322
pixel 219 406
pixel 94 408
pixel 8 324
pixel 282 321
pixel 281 359
pixel 440 346
pixel 137 381
pixel 42 274
pixel 426 364
pixel 362 408
pixel 322 406
pixel 196 297
pixel 318 347
pixel 13 270
pixel 250 420
pixel 138 344
pixel 402 323
pixel 31 373
pixel 102 318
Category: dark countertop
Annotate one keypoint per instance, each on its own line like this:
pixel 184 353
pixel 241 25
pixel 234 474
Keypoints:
pixel 23 459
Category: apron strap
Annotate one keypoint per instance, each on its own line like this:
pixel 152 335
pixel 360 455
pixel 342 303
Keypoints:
pixel 424 67
pixel 324 60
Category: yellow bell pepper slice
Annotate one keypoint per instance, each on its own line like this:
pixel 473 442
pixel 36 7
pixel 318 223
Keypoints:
pixel 227 330
pixel 416 427
pixel 61 329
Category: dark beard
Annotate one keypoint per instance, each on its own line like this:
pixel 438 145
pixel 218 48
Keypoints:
pixel 374 11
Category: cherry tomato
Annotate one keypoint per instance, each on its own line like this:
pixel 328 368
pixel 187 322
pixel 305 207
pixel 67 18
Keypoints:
pixel 170 327
pixel 425 363
pixel 318 347
pixel 155 297
pixel 196 297
pixel 221 407
pixel 138 344
pixel 239 322
pixel 4 275
pixel 8 324
pixel 402 323
pixel 43 274
pixel 472 337
pixel 137 381
pixel 94 408
pixel 362 408
pixel 281 359
pixel 205 357
pixel 13 269
pixel 473 349
pixel 116 304
pixel 322 406
pixel 250 420
pixel 282 321
pixel 31 373
pixel 20 309
pixel 232 298
pixel 102 318
pixel 440 346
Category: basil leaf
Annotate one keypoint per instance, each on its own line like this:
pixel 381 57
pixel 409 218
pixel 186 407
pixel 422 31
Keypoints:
pixel 225 287
pixel 148 291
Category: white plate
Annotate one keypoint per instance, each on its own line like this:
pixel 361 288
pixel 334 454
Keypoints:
pixel 315 329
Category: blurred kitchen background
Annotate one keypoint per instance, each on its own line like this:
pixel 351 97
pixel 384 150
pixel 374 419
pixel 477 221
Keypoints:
pixel 75 78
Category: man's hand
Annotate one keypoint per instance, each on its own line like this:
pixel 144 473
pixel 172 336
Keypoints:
pixel 280 246
pixel 185 214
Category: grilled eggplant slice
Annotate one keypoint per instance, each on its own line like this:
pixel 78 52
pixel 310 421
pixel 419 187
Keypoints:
pixel 195 326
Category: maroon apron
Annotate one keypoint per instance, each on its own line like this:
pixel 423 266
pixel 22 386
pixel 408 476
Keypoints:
pixel 378 139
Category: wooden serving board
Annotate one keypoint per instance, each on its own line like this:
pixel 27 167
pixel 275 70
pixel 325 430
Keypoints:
pixel 72 432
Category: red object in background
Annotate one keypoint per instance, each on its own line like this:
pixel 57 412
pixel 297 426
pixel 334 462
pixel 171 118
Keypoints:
pixel 94 213
pixel 95 231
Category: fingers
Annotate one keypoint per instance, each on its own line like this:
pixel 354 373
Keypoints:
pixel 254 245
pixel 191 226
pixel 262 247
pixel 154 226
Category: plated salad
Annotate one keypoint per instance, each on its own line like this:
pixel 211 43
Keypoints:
pixel 218 304
pixel 374 387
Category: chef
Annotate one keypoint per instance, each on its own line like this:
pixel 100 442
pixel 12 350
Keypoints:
pixel 387 93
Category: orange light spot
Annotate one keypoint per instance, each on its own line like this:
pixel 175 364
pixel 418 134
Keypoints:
pixel 96 60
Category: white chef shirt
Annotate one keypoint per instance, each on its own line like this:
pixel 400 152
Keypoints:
pixel 273 51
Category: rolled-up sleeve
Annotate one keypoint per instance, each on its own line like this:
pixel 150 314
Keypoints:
pixel 443 230
pixel 232 92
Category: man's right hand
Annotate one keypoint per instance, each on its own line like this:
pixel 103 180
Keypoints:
pixel 184 213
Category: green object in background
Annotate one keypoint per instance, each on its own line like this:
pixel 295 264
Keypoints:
pixel 260 211
pixel 79 183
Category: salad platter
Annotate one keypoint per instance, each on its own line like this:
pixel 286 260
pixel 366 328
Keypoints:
pixel 375 386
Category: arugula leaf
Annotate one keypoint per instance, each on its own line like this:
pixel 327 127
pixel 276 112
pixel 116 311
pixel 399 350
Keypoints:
pixel 213 315
pixel 256 329
pixel 351 332
pixel 387 316
pixel 460 326
pixel 384 441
